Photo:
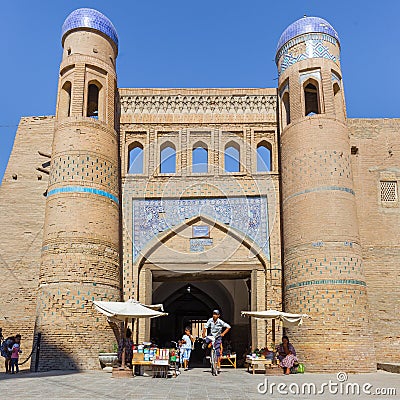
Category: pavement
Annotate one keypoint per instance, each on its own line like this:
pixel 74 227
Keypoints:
pixel 198 384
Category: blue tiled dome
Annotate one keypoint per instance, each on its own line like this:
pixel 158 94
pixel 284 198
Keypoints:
pixel 89 18
pixel 306 25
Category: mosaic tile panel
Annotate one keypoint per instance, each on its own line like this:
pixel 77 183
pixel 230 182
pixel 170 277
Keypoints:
pixel 82 189
pixel 150 217
pixel 314 49
pixel 90 18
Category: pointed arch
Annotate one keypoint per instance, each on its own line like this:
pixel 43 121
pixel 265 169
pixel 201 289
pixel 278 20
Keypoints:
pixel 94 103
pixel 167 235
pixel 232 157
pixel 64 106
pixel 312 101
pixel 200 157
pixel 167 158
pixel 264 156
pixel 135 158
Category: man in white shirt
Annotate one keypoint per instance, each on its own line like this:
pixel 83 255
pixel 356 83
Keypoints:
pixel 216 326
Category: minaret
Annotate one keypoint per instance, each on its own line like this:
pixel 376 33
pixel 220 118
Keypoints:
pixel 80 255
pixel 323 272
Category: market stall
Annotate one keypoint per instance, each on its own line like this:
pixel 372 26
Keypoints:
pixel 143 354
pixel 265 359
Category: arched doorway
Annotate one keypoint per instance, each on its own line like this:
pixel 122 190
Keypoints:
pixel 228 274
pixel 191 304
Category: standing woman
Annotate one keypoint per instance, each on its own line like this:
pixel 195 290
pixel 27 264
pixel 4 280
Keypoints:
pixel 286 355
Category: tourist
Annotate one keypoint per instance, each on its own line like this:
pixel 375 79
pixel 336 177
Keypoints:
pixel 15 351
pixel 286 355
pixel 6 352
pixel 186 347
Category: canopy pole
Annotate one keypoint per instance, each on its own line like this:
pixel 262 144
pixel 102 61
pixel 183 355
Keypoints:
pixel 273 331
pixel 123 365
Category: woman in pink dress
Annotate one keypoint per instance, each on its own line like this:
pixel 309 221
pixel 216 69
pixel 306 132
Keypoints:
pixel 286 355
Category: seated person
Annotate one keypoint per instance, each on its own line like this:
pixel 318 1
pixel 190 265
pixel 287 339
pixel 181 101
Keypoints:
pixel 286 355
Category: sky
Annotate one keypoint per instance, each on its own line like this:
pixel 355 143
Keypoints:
pixel 193 43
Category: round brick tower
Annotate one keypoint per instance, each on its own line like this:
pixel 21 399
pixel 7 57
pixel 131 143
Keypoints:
pixel 80 255
pixel 323 272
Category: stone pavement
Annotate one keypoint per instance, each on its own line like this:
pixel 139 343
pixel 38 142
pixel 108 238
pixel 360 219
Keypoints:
pixel 196 384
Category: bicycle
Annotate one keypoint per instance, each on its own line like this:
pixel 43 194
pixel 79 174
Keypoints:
pixel 213 355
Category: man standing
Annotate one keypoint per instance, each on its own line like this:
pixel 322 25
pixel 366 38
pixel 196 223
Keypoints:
pixel 216 326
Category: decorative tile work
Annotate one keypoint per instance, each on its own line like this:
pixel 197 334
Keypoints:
pixel 82 189
pixel 248 215
pixel 321 189
pixel 84 168
pixel 90 18
pixel 179 104
pixel 197 245
pixel 307 25
pixel 321 37
pixel 327 282
pixel 314 49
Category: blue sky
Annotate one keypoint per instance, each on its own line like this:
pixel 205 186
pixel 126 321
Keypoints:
pixel 191 43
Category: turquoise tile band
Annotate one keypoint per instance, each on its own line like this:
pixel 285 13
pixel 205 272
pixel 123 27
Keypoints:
pixel 327 282
pixel 82 189
pixel 321 189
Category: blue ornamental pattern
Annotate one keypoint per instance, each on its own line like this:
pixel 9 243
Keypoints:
pixel 90 18
pixel 306 25
pixel 314 49
pixel 248 215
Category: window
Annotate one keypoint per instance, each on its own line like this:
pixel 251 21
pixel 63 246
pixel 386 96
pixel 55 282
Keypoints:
pixel 337 100
pixel 167 158
pixel 285 109
pixel 311 99
pixel 232 157
pixel 93 101
pixel 65 100
pixel 389 191
pixel 200 158
pixel 135 158
pixel 264 157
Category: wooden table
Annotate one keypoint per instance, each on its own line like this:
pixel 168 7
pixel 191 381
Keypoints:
pixel 257 364
pixel 231 360
pixel 140 363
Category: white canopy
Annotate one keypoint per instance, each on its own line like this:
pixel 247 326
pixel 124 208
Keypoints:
pixel 128 309
pixel 287 319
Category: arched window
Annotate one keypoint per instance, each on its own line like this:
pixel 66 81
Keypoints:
pixel 264 156
pixel 65 100
pixel 93 100
pixel 135 158
pixel 338 100
pixel 167 158
pixel 200 158
pixel 285 109
pixel 232 157
pixel 311 99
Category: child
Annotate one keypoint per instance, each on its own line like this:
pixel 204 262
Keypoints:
pixel 15 350
pixel 186 346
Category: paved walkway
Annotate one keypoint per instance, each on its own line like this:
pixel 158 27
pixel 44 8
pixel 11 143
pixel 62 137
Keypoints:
pixel 196 384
